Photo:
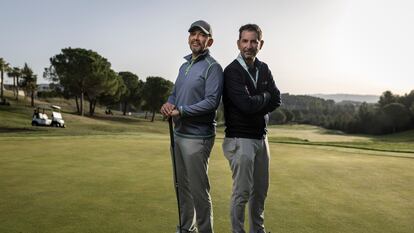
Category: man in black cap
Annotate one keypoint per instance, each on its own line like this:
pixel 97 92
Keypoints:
pixel 192 104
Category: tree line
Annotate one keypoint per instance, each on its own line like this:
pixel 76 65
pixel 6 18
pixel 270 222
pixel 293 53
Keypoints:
pixel 23 78
pixel 84 75
pixel 392 113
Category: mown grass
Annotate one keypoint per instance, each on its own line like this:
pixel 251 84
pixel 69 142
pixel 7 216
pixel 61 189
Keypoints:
pixel 15 120
pixel 124 184
pixel 108 174
pixel 316 136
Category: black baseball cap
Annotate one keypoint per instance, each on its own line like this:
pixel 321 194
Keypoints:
pixel 203 25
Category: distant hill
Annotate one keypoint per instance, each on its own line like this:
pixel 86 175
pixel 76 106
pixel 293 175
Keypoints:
pixel 348 97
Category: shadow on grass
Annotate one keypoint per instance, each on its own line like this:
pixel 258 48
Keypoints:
pixel 117 118
pixel 17 130
pixel 368 146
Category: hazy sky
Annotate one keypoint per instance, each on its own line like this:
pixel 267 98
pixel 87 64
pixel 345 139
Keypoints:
pixel 311 46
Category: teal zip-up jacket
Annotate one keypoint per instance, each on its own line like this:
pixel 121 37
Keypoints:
pixel 196 94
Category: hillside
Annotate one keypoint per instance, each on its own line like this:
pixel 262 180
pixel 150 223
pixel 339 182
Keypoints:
pixel 15 120
pixel 348 97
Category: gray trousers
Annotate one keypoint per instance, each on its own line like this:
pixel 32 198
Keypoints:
pixel 192 157
pixel 249 163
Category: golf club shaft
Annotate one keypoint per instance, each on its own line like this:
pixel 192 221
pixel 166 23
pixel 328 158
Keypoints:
pixel 170 123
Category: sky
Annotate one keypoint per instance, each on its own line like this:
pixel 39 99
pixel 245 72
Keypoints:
pixel 311 46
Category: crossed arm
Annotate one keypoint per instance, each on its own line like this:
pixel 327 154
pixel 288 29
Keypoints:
pixel 239 94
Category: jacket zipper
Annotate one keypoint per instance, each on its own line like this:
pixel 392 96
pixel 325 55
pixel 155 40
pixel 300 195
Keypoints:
pixel 189 67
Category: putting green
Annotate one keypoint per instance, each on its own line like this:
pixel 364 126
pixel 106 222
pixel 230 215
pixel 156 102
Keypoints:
pixel 123 183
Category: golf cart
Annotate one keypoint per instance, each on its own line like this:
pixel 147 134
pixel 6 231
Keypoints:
pixel 40 117
pixel 57 119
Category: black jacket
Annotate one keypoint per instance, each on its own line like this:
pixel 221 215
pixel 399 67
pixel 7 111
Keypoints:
pixel 246 108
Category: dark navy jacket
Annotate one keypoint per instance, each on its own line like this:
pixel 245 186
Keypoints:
pixel 246 103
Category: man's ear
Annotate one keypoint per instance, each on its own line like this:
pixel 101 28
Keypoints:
pixel 261 44
pixel 210 42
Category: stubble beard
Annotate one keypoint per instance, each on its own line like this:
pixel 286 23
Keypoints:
pixel 197 50
pixel 249 56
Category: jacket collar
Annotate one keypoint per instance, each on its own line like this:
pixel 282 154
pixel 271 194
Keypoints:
pixel 240 59
pixel 243 64
pixel 201 56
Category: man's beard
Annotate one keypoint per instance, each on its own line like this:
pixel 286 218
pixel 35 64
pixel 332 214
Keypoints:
pixel 197 50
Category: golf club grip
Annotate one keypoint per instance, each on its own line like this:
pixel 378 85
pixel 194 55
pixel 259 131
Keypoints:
pixel 170 124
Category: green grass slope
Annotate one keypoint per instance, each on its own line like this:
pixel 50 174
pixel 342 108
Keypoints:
pixel 113 174
pixel 15 120
pixel 315 136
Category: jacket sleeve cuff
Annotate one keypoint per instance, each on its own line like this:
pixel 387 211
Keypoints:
pixel 266 97
pixel 181 111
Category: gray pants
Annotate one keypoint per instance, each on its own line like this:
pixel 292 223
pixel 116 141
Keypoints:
pixel 249 163
pixel 192 157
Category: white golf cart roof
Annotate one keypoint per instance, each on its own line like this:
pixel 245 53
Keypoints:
pixel 49 107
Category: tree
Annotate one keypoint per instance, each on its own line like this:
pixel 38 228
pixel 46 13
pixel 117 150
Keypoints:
pixel 277 117
pixel 398 115
pixel 68 69
pixel 106 83
pixel 111 98
pixel 4 67
pixel 51 75
pixel 29 82
pixel 365 118
pixel 290 117
pixel 407 99
pixel 16 73
pixel 155 92
pixel 132 94
pixel 386 98
pixel 83 73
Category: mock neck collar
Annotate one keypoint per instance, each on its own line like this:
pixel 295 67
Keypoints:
pixel 203 54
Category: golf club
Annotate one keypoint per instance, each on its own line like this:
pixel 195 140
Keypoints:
pixel 170 123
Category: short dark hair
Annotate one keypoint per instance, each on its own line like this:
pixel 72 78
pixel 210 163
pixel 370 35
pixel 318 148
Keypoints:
pixel 251 27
